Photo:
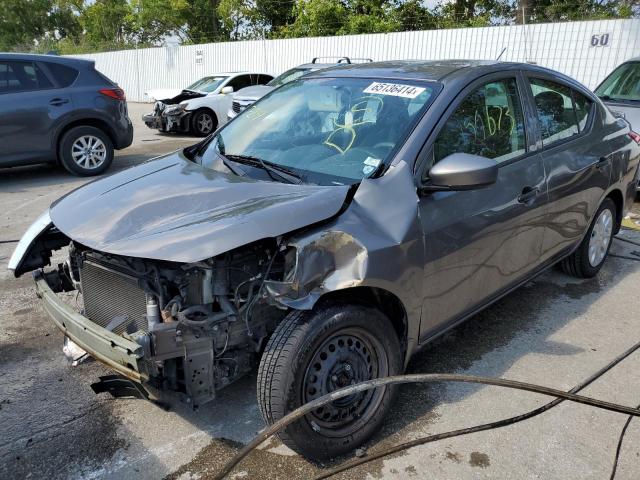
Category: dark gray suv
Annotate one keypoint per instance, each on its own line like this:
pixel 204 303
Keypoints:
pixel 56 109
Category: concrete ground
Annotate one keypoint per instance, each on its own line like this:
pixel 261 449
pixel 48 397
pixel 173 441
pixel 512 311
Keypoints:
pixel 555 331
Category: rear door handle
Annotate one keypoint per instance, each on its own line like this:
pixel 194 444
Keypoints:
pixel 528 195
pixel 56 102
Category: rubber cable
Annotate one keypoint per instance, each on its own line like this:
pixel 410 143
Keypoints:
pixel 479 428
pixel 619 447
pixel 415 378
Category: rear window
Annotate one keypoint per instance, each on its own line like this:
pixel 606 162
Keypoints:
pixel 554 105
pixel 623 84
pixel 63 75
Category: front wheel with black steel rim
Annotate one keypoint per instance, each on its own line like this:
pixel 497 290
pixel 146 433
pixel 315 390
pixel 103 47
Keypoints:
pixel 314 353
pixel 85 151
pixel 589 257
pixel 203 122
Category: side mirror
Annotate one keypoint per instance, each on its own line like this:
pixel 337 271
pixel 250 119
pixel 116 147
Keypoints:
pixel 462 171
pixel 225 90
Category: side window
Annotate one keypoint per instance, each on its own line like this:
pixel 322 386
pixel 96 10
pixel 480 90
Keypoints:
pixel 63 75
pixel 489 123
pixel 264 79
pixel 583 109
pixel 554 105
pixel 22 77
pixel 239 82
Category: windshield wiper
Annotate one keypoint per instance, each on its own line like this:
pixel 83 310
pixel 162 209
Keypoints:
pixel 271 168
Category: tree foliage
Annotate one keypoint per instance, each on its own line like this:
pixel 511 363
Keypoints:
pixel 71 26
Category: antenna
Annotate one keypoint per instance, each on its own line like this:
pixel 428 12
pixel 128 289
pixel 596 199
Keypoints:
pixel 503 50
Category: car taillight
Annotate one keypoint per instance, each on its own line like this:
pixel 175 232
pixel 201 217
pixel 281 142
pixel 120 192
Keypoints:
pixel 115 93
pixel 634 136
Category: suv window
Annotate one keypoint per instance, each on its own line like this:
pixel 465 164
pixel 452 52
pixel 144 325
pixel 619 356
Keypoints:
pixel 63 75
pixel 22 77
pixel 239 82
pixel 556 114
pixel 489 123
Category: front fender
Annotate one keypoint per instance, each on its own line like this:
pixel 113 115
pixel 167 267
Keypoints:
pixel 374 243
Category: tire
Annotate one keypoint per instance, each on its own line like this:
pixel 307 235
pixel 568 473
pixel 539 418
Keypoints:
pixel 84 163
pixel 588 259
pixel 203 122
pixel 313 353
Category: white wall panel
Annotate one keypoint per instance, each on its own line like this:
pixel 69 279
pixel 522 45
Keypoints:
pixel 565 47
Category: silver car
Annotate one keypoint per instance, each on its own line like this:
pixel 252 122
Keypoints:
pixel 331 230
pixel 620 91
pixel 250 95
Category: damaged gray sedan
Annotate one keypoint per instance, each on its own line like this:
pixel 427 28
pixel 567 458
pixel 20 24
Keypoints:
pixel 332 229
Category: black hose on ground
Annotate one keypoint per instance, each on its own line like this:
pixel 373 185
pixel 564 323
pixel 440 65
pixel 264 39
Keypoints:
pixel 416 378
pixel 486 426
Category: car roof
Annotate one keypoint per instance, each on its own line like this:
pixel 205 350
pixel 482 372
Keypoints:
pixel 32 57
pixel 435 70
pixel 458 72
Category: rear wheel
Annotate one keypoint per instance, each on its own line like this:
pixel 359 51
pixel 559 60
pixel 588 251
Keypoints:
pixel 588 259
pixel 313 353
pixel 85 151
pixel 203 122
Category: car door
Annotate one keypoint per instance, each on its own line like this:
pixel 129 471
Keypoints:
pixel 479 243
pixel 576 157
pixel 29 106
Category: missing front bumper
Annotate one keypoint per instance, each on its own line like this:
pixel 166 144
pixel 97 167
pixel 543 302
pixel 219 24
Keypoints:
pixel 122 355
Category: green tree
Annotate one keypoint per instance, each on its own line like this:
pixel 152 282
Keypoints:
pixel 316 18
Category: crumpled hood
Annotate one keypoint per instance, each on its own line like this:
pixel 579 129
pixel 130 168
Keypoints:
pixel 254 92
pixel 173 209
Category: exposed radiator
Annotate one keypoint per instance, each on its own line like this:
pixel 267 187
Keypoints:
pixel 108 294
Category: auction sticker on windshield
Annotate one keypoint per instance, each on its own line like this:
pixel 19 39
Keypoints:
pixel 394 89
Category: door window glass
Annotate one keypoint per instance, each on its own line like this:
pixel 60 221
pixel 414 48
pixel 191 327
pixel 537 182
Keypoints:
pixel 583 108
pixel 489 123
pixel 22 77
pixel 554 105
pixel 240 82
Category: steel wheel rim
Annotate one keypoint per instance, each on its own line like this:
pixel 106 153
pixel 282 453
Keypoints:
pixel 204 122
pixel 347 357
pixel 89 152
pixel 600 237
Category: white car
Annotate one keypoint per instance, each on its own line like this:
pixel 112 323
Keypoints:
pixel 202 107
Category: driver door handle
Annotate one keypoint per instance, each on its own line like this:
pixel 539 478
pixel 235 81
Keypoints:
pixel 528 195
pixel 56 102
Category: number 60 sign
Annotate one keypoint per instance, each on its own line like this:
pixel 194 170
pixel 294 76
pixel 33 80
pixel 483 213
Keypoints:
pixel 600 40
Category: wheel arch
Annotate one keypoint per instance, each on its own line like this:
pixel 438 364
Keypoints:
pixel 84 122
pixel 383 300
pixel 618 199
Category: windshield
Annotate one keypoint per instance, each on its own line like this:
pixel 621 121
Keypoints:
pixel 288 76
pixel 622 84
pixel 207 84
pixel 326 131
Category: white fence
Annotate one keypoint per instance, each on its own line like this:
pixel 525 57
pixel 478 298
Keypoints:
pixel 587 51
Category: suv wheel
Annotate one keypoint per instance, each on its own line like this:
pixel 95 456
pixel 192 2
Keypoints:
pixel 203 122
pixel 588 259
pixel 85 151
pixel 313 353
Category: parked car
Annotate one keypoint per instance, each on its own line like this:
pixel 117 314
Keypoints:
pixel 274 242
pixel 202 107
pixel 249 95
pixel 620 91
pixel 60 110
